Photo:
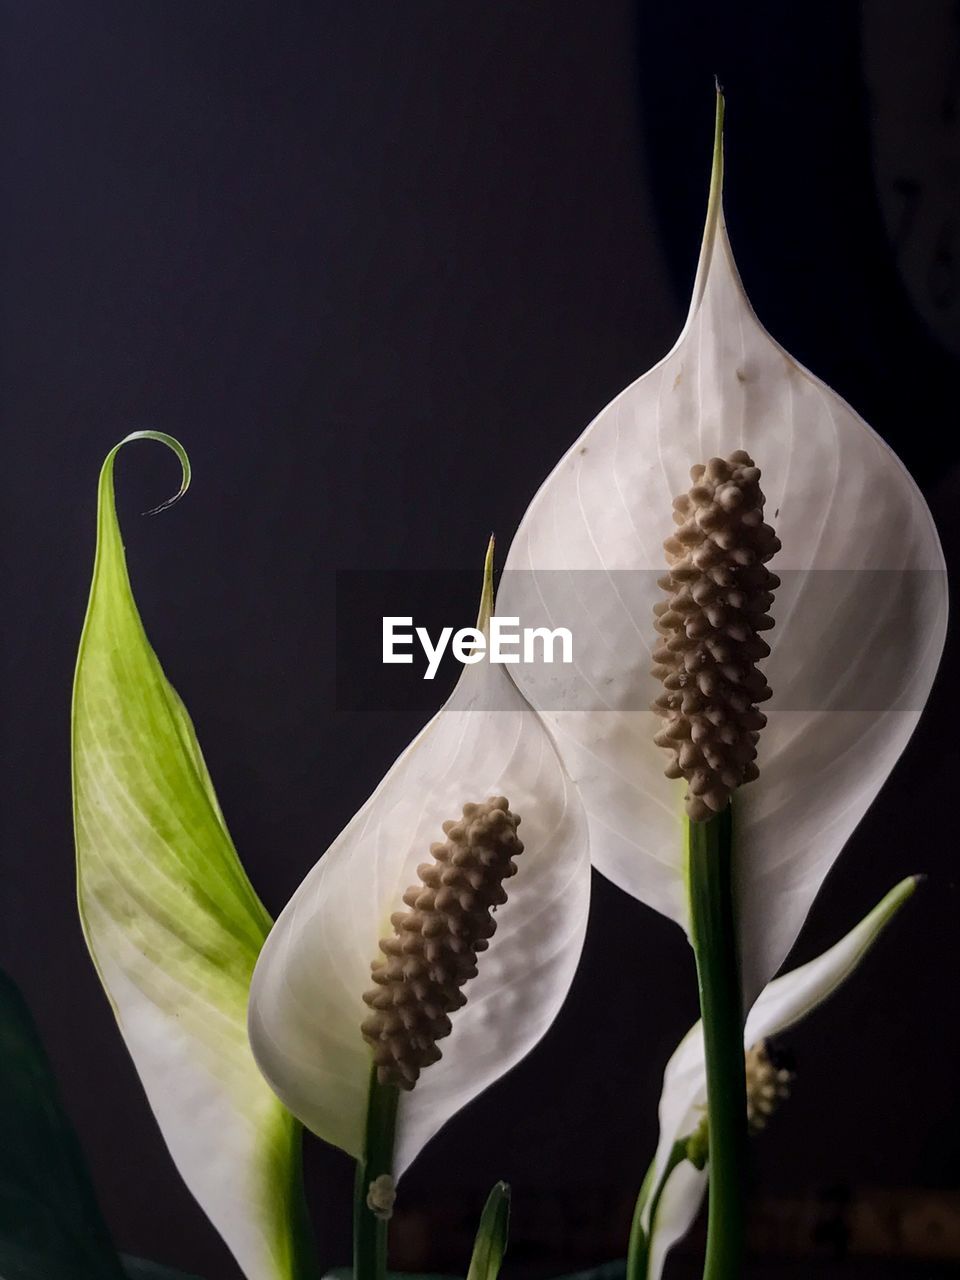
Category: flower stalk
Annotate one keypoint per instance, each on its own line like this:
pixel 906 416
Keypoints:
pixel 709 863
pixel 719 592
pixel 371 1211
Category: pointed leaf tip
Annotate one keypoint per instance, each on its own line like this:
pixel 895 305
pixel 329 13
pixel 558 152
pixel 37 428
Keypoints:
pixel 714 216
pixel 716 172
pixel 492 1236
pixel 486 592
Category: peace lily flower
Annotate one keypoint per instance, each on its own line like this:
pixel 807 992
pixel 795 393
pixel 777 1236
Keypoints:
pixel 860 612
pixel 675 1186
pixel 375 892
pixel 428 898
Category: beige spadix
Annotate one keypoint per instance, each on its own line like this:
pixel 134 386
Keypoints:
pixel 433 948
pixel 718 593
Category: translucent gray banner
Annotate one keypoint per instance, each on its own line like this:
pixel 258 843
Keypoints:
pixel 845 640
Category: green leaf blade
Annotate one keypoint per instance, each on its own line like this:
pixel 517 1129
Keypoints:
pixel 51 1227
pixel 492 1234
pixel 172 923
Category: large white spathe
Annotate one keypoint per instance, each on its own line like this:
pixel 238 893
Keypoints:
pixel 683 1102
pixel 860 616
pixel 306 1002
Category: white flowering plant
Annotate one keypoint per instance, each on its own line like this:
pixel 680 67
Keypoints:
pixel 431 944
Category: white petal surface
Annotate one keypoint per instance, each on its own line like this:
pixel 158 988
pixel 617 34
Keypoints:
pixel 860 617
pixel 306 1000
pixel 783 1003
pixel 676 1213
pixel 787 1000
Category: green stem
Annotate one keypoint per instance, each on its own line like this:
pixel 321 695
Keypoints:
pixel 709 863
pixel 303 1262
pixel 638 1251
pixel 370 1231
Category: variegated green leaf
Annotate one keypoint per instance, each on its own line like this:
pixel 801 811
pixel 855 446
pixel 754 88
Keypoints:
pixel 173 925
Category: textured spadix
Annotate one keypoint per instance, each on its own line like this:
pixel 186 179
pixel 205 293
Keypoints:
pixel 306 1004
pixel 172 923
pixel 785 1002
pixel 436 943
pixel 768 1084
pixel 860 615
pixel 719 592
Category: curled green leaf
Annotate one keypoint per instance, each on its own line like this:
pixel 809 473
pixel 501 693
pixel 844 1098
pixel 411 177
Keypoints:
pixel 172 923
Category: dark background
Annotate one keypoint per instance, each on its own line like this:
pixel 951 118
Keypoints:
pixel 377 264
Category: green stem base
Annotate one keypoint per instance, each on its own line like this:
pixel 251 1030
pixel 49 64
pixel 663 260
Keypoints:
pixel 369 1230
pixel 709 853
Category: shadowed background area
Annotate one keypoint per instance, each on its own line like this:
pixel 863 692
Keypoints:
pixel 377 265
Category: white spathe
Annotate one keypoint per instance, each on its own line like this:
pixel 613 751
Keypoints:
pixel 683 1101
pixel 306 1002
pixel 860 617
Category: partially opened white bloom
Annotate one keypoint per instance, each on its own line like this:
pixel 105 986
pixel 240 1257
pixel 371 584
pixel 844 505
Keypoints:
pixel 783 1003
pixel 306 1001
pixel 860 615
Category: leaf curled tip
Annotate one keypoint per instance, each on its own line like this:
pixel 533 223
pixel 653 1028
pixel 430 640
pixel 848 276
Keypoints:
pixel 172 444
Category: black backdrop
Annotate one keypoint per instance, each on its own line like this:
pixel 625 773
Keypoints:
pixel 377 264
